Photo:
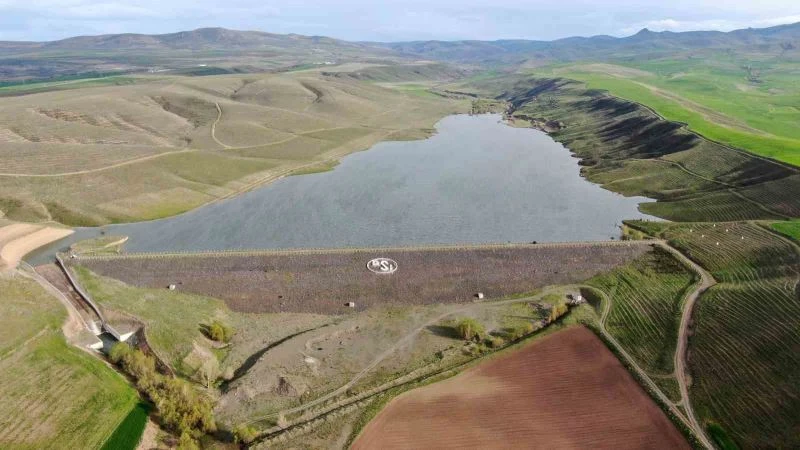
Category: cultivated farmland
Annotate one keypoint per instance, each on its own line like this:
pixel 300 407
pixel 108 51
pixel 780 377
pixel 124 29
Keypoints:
pixel 744 358
pixel 322 282
pixel 646 298
pixel 565 390
pixel 54 395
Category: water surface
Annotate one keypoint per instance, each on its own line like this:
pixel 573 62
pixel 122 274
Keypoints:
pixel 477 180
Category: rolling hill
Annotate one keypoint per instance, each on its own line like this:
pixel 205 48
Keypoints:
pixel 775 40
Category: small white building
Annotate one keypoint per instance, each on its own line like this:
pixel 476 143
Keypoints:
pixel 171 287
pixel 575 299
pixel 350 304
pixel 480 295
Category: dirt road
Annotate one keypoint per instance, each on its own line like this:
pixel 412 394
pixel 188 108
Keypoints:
pixel 706 281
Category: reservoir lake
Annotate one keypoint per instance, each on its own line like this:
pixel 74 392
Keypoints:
pixel 477 180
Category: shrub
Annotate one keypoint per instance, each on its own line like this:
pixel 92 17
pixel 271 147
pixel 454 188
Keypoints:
pixel 469 329
pixel 220 332
pixel 518 331
pixel 494 341
pixel 245 434
pixel 119 352
pixel 557 311
pixel 187 442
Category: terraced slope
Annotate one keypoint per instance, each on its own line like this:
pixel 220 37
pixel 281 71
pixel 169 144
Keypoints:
pixel 745 348
pixel 646 297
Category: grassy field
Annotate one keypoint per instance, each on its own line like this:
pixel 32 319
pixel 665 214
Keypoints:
pixel 791 229
pixel 646 297
pixel 168 144
pixel 129 432
pixel 54 395
pixel 744 361
pixel 715 95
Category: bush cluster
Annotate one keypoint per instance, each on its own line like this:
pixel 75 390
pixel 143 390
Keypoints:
pixel 557 311
pixel 469 329
pixel 245 434
pixel 516 332
pixel 181 408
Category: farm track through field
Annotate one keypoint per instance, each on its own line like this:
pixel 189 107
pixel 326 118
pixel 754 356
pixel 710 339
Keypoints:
pixel 706 281
pixel 99 169
pixel 214 127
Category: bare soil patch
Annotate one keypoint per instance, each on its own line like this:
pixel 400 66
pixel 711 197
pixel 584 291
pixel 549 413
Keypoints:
pixel 19 239
pixel 566 390
pixel 324 281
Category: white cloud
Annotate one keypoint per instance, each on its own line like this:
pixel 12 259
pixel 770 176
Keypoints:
pixel 708 24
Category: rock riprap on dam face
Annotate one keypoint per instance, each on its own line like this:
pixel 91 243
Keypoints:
pixel 324 281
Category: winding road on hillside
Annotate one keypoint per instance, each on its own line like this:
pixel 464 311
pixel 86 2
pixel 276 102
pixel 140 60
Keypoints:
pixel 681 350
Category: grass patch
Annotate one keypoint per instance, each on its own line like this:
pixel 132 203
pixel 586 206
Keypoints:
pixel 791 229
pixel 129 432
pixel 720 437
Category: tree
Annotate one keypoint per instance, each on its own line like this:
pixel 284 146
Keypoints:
pixel 469 329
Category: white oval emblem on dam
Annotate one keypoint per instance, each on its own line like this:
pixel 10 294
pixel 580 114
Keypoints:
pixel 383 266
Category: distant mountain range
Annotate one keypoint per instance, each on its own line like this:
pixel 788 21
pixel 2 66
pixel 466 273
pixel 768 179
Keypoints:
pixel 645 41
pixel 245 51
pixel 200 39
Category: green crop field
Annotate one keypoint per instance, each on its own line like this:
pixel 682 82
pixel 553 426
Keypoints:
pixel 646 297
pixel 712 95
pixel 54 395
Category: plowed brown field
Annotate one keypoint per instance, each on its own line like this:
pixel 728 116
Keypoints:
pixel 564 391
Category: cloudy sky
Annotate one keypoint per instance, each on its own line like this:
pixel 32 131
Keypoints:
pixel 389 20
